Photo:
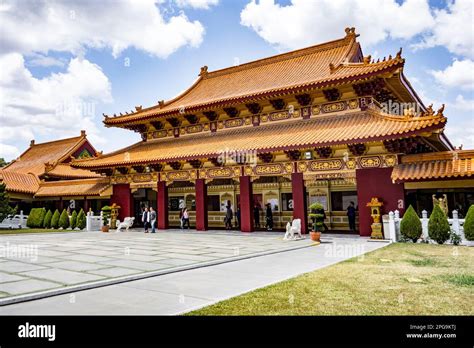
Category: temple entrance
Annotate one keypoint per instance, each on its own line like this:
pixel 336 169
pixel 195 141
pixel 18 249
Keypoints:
pixel 143 198
pixel 181 195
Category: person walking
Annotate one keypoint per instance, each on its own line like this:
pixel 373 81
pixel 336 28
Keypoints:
pixel 237 216
pixel 228 218
pixel 185 218
pixel 256 216
pixel 152 219
pixel 146 219
pixel 269 217
pixel 181 220
pixel 351 215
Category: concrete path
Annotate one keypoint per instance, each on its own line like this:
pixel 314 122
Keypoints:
pixel 184 291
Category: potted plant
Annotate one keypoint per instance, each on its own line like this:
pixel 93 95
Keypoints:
pixel 105 218
pixel 317 216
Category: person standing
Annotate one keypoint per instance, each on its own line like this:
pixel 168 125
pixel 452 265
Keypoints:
pixel 351 215
pixel 269 217
pixel 237 216
pixel 185 218
pixel 228 218
pixel 256 216
pixel 146 219
pixel 181 220
pixel 152 219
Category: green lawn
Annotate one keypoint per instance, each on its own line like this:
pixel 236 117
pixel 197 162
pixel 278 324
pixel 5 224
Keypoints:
pixel 400 279
pixel 34 230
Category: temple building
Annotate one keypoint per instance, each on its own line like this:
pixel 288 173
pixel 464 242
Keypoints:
pixel 320 124
pixel 43 177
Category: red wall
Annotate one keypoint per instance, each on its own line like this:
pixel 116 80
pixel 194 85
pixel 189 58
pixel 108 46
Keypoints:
pixel 122 196
pixel 376 182
pixel 162 208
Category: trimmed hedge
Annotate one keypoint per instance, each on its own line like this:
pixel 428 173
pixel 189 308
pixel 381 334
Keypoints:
pixel 469 224
pixel 410 226
pixel 64 220
pixel 73 219
pixel 36 218
pixel 47 219
pixel 438 226
pixel 55 219
pixel 81 220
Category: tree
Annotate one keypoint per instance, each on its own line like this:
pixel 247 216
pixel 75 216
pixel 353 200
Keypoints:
pixel 55 219
pixel 410 226
pixel 469 224
pixel 438 226
pixel 36 218
pixel 73 219
pixel 81 220
pixel 47 219
pixel 5 208
pixel 3 163
pixel 64 220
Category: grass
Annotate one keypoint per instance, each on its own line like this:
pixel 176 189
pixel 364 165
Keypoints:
pixel 34 230
pixel 400 279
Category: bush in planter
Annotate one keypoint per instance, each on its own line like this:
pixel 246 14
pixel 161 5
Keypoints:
pixel 438 226
pixel 73 219
pixel 469 224
pixel 55 219
pixel 47 219
pixel 64 220
pixel 317 216
pixel 36 218
pixel 106 210
pixel 81 220
pixel 410 226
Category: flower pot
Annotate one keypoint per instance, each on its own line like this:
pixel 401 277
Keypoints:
pixel 105 228
pixel 315 236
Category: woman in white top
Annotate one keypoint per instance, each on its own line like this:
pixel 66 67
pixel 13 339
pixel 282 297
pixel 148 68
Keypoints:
pixel 185 218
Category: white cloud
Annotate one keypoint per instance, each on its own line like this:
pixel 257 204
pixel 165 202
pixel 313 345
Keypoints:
pixel 36 59
pixel 66 26
pixel 464 104
pixel 305 22
pixel 199 4
pixel 8 152
pixel 458 75
pixel 55 106
pixel 453 29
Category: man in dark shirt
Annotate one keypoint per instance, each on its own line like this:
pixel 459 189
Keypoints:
pixel 351 215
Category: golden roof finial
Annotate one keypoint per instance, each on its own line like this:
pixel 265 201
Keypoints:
pixel 367 59
pixel 440 110
pixel 399 53
pixel 161 103
pixel 83 133
pixel 138 108
pixel 350 32
pixel 331 67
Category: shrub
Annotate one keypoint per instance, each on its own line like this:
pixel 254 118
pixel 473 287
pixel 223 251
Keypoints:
pixel 73 219
pixel 317 216
pixel 64 220
pixel 55 219
pixel 36 218
pixel 438 226
pixel 47 219
pixel 106 210
pixel 81 220
pixel 410 226
pixel 469 224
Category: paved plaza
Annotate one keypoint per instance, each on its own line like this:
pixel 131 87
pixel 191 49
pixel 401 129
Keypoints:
pixel 179 292
pixel 35 264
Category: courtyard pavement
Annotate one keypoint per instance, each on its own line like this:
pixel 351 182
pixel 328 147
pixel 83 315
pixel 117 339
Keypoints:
pixel 213 272
pixel 40 264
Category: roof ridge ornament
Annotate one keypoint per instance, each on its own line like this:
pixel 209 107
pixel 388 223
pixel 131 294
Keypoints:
pixel 350 33
pixel 204 71
pixel 399 53
pixel 161 103
pixel 138 108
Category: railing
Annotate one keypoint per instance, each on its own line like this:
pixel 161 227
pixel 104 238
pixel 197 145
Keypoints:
pixel 14 221
pixel 94 223
pixel 392 225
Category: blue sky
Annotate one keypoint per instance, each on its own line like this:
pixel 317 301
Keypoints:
pixel 65 64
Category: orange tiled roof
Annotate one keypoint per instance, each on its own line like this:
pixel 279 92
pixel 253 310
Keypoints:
pixel 80 187
pixel 438 165
pixel 64 170
pixel 328 63
pixel 327 130
pixel 34 158
pixel 19 182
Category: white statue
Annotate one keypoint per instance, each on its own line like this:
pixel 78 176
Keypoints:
pixel 293 230
pixel 127 223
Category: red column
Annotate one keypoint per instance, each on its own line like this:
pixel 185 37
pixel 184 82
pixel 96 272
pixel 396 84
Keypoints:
pixel 86 205
pixel 299 200
pixel 376 182
pixel 122 196
pixel 201 205
pixel 162 208
pixel 246 204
